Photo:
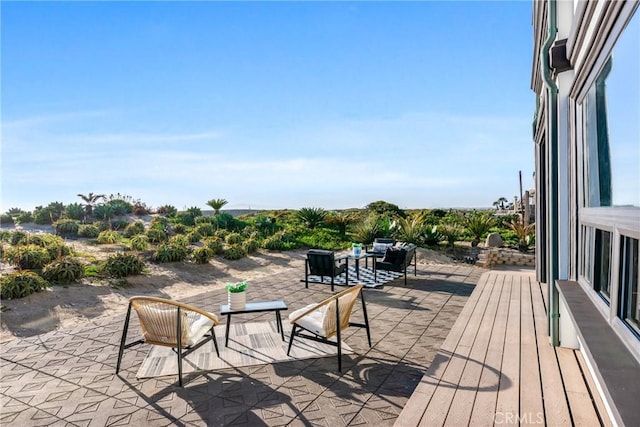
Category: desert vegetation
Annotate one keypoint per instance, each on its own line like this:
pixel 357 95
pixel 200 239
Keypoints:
pixel 168 235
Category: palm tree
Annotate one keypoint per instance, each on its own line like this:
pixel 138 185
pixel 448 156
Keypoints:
pixel 216 205
pixel 500 203
pixel 90 200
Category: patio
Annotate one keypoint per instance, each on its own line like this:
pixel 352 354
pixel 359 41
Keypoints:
pixel 68 376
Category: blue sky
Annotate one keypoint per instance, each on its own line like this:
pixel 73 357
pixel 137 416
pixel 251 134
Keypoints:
pixel 269 105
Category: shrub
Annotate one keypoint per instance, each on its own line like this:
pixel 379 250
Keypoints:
pixel 382 208
pixel 120 207
pixel 266 225
pixel 6 219
pixel 18 237
pixel 233 239
pixel 179 240
pixel 88 230
pixel 194 237
pixel 53 244
pixel 139 242
pixel 156 236
pixel 224 220
pixel 136 227
pixel 63 271
pixel 119 224
pixel 451 233
pixel 160 223
pixel 67 227
pixel 122 265
pixel 251 245
pixel 140 209
pixel 233 252
pixel 367 230
pixel 409 230
pixel 24 218
pixel 20 284
pixel 221 233
pixel 323 239
pixel 75 211
pixel 27 257
pixel 312 217
pixel 169 253
pixel 103 212
pixel 215 244
pixel 108 237
pixel 202 255
pixel 202 220
pixel 167 210
pixel 525 234
pixel 432 235
pixel 478 224
pixel 48 215
pixel 205 229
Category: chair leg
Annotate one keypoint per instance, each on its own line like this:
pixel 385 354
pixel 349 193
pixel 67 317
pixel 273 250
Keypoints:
pixel 306 274
pixel 293 333
pixel 179 346
pixel 366 317
pixel 215 340
pixel 338 337
pixel 124 338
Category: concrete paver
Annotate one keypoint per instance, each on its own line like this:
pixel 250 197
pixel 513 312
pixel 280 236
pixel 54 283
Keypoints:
pixel 67 377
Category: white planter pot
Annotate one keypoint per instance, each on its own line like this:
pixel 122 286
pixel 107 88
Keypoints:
pixel 236 300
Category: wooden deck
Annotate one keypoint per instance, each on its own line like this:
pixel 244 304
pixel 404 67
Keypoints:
pixel 496 366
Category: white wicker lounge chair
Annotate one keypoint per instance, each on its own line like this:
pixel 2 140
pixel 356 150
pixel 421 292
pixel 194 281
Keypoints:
pixel 323 321
pixel 171 324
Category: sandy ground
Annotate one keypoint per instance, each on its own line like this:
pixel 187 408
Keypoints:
pixel 67 306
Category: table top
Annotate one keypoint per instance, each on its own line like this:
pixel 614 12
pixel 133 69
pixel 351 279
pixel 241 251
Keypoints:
pixel 255 307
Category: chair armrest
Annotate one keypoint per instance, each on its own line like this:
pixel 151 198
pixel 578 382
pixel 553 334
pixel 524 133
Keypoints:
pixel 325 302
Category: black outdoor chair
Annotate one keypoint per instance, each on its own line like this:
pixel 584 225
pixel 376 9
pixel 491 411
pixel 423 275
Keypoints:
pixel 324 264
pixel 397 258
pixel 377 249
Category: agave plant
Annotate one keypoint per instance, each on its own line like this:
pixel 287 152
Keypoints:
pixel 367 230
pixel 410 230
pixel 478 224
pixel 312 217
pixel 525 234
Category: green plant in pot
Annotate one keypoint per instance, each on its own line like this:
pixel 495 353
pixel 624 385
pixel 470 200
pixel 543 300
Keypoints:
pixel 237 295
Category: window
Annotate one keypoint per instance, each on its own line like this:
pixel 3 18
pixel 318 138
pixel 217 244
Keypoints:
pixel 629 301
pixel 611 127
pixel 602 264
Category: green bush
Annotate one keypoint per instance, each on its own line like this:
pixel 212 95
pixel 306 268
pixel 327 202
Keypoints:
pixel 451 233
pixel 136 227
pixel 179 228
pixel 88 230
pixel 274 243
pixel 194 237
pixel 67 227
pixel 225 221
pixel 312 217
pixel 119 224
pixel 233 252
pixel 185 218
pixel 24 218
pixel 167 210
pixel 49 214
pixel 6 219
pixel 233 239
pixel 478 224
pixel 251 245
pixel 160 223
pixel 205 229
pixel 122 265
pixel 75 211
pixel 53 244
pixel 179 240
pixel 139 242
pixel 215 244
pixel 169 253
pixel 221 233
pixel 202 255
pixel 108 237
pixel 20 284
pixel 431 235
pixel 63 271
pixel 202 220
pixel 156 236
pixel 323 238
pixel 18 237
pixel 27 257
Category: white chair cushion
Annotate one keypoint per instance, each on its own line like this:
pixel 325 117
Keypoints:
pixel 313 321
pixel 198 329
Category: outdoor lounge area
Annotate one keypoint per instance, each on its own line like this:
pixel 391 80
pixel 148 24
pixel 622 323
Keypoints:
pixel 68 376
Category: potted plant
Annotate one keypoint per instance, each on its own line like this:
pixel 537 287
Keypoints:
pixel 237 295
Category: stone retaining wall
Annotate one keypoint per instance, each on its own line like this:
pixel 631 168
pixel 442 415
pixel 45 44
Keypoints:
pixel 493 257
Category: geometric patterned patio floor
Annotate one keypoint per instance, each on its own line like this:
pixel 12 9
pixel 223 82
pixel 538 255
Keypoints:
pixel 67 377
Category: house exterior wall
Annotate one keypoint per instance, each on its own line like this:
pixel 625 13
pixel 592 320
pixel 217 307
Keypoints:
pixel 587 209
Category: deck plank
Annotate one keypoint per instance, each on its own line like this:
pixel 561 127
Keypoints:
pixel 465 394
pixel 442 396
pixel 484 406
pixel 580 403
pixel 531 405
pixel 555 402
pixel 508 403
pixel 597 399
